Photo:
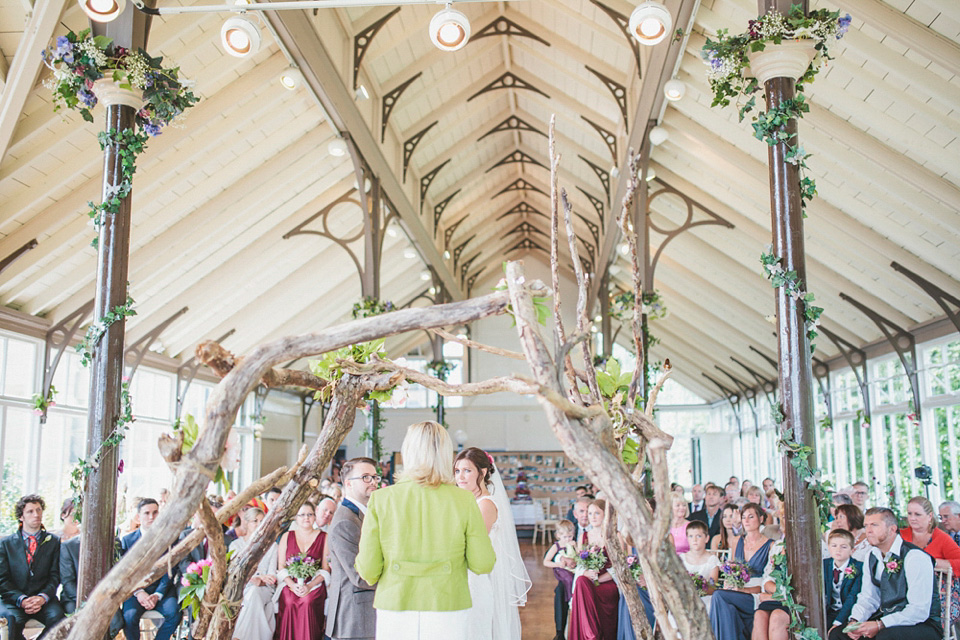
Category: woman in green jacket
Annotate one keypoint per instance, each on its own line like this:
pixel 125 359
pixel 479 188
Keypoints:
pixel 418 539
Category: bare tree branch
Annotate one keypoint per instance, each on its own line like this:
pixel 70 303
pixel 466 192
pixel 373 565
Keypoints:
pixel 446 335
pixel 217 549
pixel 223 361
pixel 444 388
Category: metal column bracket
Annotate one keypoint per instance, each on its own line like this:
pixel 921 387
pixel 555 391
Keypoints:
pixel 458 250
pixel 352 197
pixel 747 394
pixel 857 359
pixel 306 406
pixel 522 209
pixel 602 174
pixel 133 355
pixel 57 340
pixel 902 342
pixel 187 372
pixel 821 372
pixel 410 145
pixel 617 90
pixel 508 81
pixel 259 400
pixel 940 296
pixel 503 26
pixel 768 386
pixel 519 185
pixel 361 42
pixel 16 255
pixel 732 397
pixel 425 184
pixel 596 202
pixel 773 363
pixel 513 123
pixel 389 101
pixel 439 208
pixel 449 231
pixel 516 157
pixel 624 23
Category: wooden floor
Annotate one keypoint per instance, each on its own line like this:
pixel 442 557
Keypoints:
pixel 536 618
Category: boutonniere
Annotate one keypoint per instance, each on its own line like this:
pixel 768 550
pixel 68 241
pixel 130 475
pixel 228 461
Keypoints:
pixel 849 573
pixel 893 566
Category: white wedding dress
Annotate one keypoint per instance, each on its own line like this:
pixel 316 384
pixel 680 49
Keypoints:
pixel 497 596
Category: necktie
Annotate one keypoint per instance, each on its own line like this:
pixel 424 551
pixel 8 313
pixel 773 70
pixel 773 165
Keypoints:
pixel 31 548
pixel 583 538
pixel 836 575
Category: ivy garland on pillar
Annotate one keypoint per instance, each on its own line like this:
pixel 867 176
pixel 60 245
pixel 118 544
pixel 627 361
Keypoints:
pixel 729 62
pixel 82 67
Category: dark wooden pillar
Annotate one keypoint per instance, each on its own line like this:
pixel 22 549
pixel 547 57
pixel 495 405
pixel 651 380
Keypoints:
pixel 606 322
pixel 106 373
pixel 795 371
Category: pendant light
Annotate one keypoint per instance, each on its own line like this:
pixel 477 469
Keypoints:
pixel 449 29
pixel 650 22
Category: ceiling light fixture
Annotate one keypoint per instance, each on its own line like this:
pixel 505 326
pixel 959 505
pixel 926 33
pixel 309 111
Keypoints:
pixel 674 89
pixel 240 36
pixel 446 255
pixel 337 147
pixel 650 23
pixel 290 78
pixel 449 29
pixel 658 135
pixel 409 253
pixel 102 10
pixel 425 275
pixel 361 93
pixel 651 173
pixel 392 232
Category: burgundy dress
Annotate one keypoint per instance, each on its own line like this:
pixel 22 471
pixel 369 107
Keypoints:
pixel 593 612
pixel 301 618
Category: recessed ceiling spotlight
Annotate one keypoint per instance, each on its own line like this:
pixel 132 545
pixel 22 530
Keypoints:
pixel 409 253
pixel 674 89
pixel 425 275
pixel 391 231
pixel 290 78
pixel 240 36
pixel 658 135
pixel 102 10
pixel 449 29
pixel 446 255
pixel 615 171
pixel 337 147
pixel 650 22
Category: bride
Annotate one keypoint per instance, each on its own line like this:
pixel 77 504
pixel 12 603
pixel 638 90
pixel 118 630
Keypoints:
pixel 497 596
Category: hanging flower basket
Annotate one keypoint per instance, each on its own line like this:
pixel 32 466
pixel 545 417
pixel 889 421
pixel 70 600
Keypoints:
pixel 789 59
pixel 109 92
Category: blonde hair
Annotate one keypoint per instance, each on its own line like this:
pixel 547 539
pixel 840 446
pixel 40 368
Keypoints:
pixel 427 454
pixel 927 506
pixel 565 526
pixel 250 515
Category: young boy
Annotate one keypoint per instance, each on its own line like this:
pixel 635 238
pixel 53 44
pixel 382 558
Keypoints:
pixel 842 576
pixel 698 559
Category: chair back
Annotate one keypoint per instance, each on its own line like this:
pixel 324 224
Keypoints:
pixel 722 554
pixel 943 582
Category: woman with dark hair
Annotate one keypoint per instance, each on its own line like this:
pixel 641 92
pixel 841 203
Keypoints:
pixel 593 610
pixel 496 597
pixel 419 538
pixel 850 518
pixel 728 519
pixel 731 610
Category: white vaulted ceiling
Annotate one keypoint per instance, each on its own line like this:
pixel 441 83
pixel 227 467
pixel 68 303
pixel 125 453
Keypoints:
pixel 214 199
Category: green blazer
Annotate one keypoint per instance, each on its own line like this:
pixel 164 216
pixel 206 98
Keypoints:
pixel 417 543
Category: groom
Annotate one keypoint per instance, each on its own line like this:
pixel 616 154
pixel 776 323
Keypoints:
pixel 350 598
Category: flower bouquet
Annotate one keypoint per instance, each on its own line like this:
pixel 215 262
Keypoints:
pixel 633 566
pixel 193 585
pixel 700 583
pixel 302 568
pixel 592 558
pixel 735 574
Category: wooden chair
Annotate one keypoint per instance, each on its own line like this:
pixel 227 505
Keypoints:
pixel 722 554
pixel 543 522
pixel 32 629
pixel 944 581
pixel 149 623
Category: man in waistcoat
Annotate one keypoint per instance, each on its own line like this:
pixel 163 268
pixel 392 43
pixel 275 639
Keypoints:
pixel 897 600
pixel 349 597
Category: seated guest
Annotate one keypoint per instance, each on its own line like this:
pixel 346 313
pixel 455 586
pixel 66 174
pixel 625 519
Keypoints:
pixel 161 596
pixel 710 514
pixel 271 496
pixel 896 600
pixel 258 613
pixel 696 499
pixel 698 560
pixel 325 510
pixel 69 527
pixel 581 491
pixel 593 610
pixel 731 610
pixel 923 532
pixel 950 519
pixel 558 558
pixel 731 492
pixel 678 524
pixel 729 522
pixel 860 494
pixel 849 518
pixel 30 571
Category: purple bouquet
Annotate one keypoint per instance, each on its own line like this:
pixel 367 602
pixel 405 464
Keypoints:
pixel 734 573
pixel 302 568
pixel 700 583
pixel 592 558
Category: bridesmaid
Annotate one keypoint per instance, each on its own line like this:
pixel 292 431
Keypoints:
pixel 728 518
pixel 731 610
pixel 300 607
pixel 593 610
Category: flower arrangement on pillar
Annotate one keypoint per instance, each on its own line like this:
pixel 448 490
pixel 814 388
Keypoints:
pixel 789 280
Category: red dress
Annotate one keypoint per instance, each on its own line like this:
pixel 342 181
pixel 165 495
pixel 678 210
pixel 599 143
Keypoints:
pixel 593 611
pixel 301 618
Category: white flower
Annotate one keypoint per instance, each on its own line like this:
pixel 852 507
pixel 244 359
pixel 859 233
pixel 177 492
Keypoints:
pixel 230 460
pixel 772 319
pixel 399 397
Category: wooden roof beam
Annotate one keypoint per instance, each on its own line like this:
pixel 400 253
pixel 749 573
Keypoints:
pixel 297 34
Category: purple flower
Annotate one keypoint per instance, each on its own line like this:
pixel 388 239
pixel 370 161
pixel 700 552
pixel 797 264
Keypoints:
pixel 843 24
pixel 584 555
pixel 64 46
pixel 87 98
pixel 151 129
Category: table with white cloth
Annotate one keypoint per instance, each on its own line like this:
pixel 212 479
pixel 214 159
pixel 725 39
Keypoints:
pixel 524 514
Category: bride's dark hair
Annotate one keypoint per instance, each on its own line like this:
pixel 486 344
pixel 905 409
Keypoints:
pixel 480 460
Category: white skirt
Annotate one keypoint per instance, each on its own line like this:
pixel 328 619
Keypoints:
pixel 422 625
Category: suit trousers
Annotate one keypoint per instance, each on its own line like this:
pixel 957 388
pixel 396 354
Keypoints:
pixel 49 615
pixel 561 607
pixel 168 607
pixel 923 631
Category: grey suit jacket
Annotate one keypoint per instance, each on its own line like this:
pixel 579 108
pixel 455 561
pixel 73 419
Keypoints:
pixel 349 597
pixel 69 562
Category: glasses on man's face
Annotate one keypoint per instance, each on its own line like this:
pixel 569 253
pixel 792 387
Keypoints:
pixel 367 478
pixel 859 493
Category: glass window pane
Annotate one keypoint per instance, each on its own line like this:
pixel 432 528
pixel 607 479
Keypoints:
pixel 17 427
pixel 20 368
pixel 62 443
